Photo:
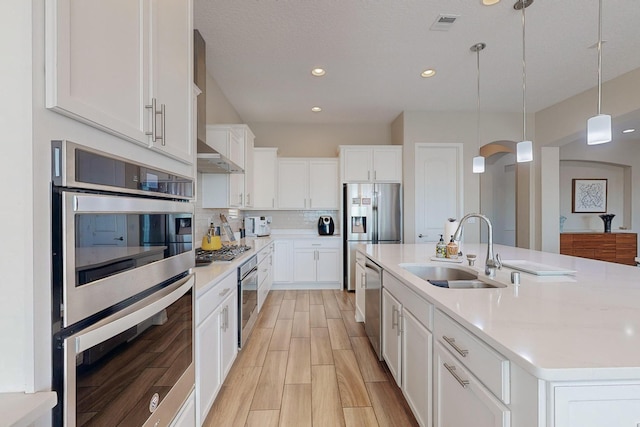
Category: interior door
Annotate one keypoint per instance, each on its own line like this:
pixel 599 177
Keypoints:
pixel 103 230
pixel 438 189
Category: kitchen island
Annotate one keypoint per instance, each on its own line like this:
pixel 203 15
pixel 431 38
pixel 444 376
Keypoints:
pixel 570 343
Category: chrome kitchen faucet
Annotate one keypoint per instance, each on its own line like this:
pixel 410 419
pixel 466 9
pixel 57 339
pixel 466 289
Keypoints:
pixel 493 262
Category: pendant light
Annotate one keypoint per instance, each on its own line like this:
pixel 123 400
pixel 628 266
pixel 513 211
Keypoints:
pixel 524 148
pixel 478 161
pixel 599 126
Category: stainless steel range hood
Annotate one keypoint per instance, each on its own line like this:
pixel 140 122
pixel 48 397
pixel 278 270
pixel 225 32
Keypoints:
pixel 214 162
pixel 209 160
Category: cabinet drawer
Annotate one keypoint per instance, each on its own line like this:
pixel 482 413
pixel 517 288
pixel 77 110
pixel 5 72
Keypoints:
pixel 263 271
pixel 421 309
pixel 317 243
pixel 491 368
pixel 207 302
pixel 264 253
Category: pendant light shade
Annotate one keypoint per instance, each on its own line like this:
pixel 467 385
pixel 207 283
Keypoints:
pixel 599 129
pixel 478 164
pixel 599 126
pixel 524 148
pixel 524 151
pixel 478 161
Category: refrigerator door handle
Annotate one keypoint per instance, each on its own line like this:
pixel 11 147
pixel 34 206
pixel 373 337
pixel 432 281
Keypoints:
pixel 374 213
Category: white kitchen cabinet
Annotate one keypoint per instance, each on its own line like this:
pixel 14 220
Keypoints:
pixel 371 163
pixel 110 77
pixel 216 340
pixel 391 334
pixel 461 399
pixel 249 170
pixel 230 141
pixel 308 183
pixel 265 273
pixel 361 286
pixel 283 261
pixel 407 345
pixel 316 260
pixel 265 172
pixel 596 405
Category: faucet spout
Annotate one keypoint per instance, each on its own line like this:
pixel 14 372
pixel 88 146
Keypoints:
pixel 493 261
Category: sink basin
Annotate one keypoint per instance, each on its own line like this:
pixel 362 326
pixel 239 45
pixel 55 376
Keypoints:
pixel 446 277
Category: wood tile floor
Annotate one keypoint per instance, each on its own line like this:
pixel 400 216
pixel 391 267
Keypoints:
pixel 309 363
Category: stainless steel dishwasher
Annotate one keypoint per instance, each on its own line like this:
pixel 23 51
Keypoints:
pixel 373 305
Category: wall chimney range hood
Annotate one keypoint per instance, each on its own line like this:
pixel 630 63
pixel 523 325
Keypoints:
pixel 209 160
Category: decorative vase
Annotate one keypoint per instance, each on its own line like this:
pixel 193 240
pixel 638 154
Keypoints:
pixel 607 218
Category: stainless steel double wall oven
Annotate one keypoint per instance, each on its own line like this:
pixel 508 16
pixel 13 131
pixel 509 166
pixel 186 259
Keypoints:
pixel 122 291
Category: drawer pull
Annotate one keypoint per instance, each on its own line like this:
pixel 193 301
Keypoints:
pixel 452 343
pixel 452 371
pixel 223 293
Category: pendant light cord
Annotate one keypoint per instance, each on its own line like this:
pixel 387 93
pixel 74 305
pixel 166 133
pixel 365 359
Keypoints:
pixel 599 56
pixel 478 113
pixel 524 76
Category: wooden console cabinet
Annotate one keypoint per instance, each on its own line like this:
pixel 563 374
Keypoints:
pixel 613 247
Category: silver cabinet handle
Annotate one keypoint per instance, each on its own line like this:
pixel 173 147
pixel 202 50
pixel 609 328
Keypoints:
pixel 452 343
pixel 222 326
pixel 310 202
pixel 368 175
pixel 226 318
pixel 248 199
pixel 163 125
pixel 363 281
pixel 224 292
pixel 273 202
pixel 452 371
pixel 394 317
pixel 375 175
pixel 240 198
pixel 153 119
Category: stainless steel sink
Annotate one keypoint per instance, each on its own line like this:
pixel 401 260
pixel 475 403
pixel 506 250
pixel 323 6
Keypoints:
pixel 448 277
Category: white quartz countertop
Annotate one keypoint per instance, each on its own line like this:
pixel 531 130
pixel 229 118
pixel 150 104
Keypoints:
pixel 23 409
pixel 584 326
pixel 209 275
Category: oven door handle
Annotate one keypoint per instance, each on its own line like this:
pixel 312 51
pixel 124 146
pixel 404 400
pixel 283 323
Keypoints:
pixel 132 315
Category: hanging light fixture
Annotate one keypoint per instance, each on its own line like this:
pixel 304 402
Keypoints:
pixel 524 148
pixel 599 126
pixel 478 161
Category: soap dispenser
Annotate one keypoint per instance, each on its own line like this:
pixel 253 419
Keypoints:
pixel 452 249
pixel 441 248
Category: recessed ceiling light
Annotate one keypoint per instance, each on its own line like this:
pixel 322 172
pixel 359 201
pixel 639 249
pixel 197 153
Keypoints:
pixel 318 72
pixel 490 2
pixel 316 109
pixel 428 73
pixel 630 130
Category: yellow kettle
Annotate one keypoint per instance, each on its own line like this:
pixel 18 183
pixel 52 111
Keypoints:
pixel 211 242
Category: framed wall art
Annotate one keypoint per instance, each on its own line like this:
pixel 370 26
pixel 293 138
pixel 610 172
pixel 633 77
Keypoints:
pixel 589 196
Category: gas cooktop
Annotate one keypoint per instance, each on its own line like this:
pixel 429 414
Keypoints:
pixel 224 254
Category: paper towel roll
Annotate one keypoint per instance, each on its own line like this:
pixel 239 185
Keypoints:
pixel 449 229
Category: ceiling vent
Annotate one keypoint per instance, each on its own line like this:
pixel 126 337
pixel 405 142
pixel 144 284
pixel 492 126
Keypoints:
pixel 444 22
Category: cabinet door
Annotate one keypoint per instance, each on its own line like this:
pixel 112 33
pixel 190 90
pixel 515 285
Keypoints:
pixel 96 72
pixel 387 164
pixel 356 163
pixel 208 375
pixel 304 265
pixel 391 334
pixel 293 184
pixel 360 285
pixel 460 399
pixel 417 350
pixel 265 165
pixel 596 406
pixel 283 261
pixel 323 184
pixel 328 265
pixel 248 172
pixel 229 333
pixel 171 76
pixel 236 190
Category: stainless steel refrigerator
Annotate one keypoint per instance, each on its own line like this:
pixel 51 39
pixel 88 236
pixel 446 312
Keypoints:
pixel 372 213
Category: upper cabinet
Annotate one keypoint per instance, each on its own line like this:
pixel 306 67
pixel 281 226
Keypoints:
pixel 308 183
pixel 371 163
pixel 132 79
pixel 265 166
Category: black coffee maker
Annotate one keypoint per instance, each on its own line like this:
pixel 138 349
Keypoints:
pixel 325 225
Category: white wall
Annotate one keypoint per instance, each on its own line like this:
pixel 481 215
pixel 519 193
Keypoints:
pixel 318 140
pixel 454 127
pixel 498 197
pixel 219 109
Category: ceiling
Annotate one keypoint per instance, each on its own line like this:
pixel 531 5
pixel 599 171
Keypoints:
pixel 261 53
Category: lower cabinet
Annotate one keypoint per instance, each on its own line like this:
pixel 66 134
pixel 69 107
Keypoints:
pixel 361 286
pixel 407 345
pixel 308 261
pixel 460 399
pixel 596 405
pixel 187 415
pixel 216 340
pixel 265 274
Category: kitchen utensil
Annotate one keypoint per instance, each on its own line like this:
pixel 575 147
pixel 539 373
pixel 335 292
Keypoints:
pixel 227 228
